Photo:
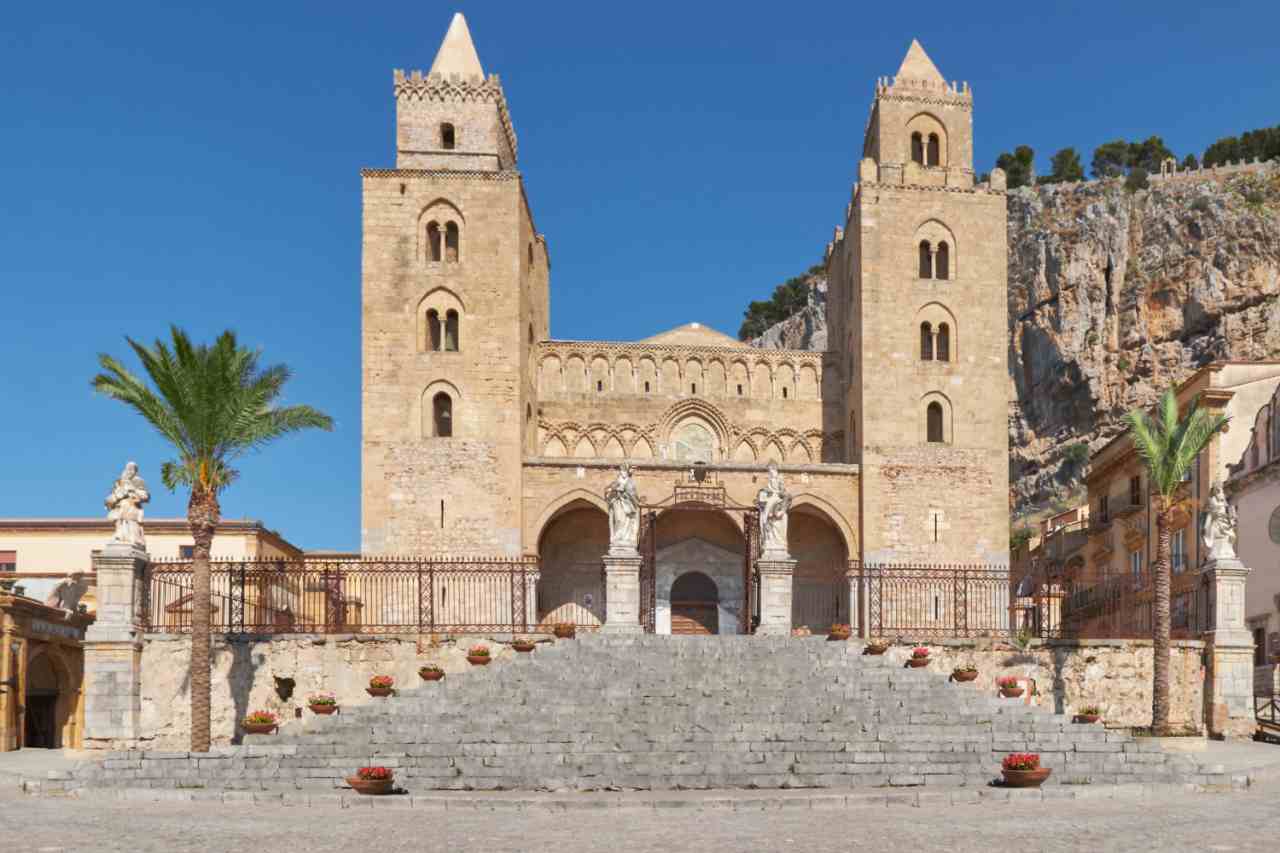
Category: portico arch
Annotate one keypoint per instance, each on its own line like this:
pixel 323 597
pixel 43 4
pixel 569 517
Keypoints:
pixel 573 537
pixel 49 701
pixel 819 587
pixel 698 540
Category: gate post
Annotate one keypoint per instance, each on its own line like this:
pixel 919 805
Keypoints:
pixel 113 650
pixel 622 593
pixel 776 574
pixel 1228 688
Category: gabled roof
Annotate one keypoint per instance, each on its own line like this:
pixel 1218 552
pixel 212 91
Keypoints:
pixel 917 65
pixel 457 54
pixel 694 334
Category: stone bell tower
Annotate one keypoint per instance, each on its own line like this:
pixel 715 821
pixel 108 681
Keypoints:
pixel 920 275
pixel 454 299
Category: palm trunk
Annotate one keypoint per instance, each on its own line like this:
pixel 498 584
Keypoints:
pixel 202 515
pixel 1160 583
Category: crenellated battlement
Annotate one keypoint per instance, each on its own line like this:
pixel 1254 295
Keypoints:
pixel 456 88
pixel 958 92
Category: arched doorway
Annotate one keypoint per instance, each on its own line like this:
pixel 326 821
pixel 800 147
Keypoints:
pixel 819 587
pixel 571 551
pixel 695 605
pixel 42 726
pixel 703 542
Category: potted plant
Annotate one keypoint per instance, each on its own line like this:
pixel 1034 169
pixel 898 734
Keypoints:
pixel 839 632
pixel 565 630
pixel 1089 714
pixel 380 685
pixel 1009 686
pixel 260 723
pixel 373 780
pixel 430 672
pixel 322 703
pixel 522 644
pixel 1023 770
pixel 478 656
pixel 876 648
pixel 919 657
pixel 964 672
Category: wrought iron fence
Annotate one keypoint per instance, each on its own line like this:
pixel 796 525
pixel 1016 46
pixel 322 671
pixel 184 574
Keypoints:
pixel 371 595
pixel 1121 607
pixel 934 600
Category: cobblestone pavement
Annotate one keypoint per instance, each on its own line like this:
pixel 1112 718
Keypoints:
pixel 1242 821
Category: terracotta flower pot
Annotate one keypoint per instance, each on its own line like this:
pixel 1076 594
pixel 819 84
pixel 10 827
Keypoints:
pixel 875 649
pixel 258 728
pixel 964 675
pixel 565 632
pixel 478 660
pixel 1011 692
pixel 431 674
pixel 1026 778
pixel 323 709
pixel 1088 718
pixel 378 691
pixel 838 636
pixel 371 786
pixel 917 662
pixel 522 647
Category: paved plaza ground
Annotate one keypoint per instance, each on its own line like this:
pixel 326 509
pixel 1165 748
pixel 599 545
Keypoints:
pixel 1241 821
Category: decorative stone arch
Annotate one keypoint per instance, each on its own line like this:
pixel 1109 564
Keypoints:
pixel 432 245
pixel 433 314
pixel 600 375
pixel 934 152
pixel 762 380
pixel 942 329
pixel 716 377
pixel 739 382
pixel 692 377
pixel 49 674
pixel 554 447
pixel 551 378
pixel 697 410
pixel 641 448
pixel 929 400
pixel 426 412
pixel 745 451
pixel 807 387
pixel 820 545
pixel 671 376
pixel 624 378
pixel 575 373
pixel 808 501
pixel 563 503
pixel 934 234
pixel 799 451
pixel 572 537
pixel 785 381
pixel 584 447
pixel 710 541
pixel 647 376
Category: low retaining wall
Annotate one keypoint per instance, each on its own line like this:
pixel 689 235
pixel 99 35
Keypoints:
pixel 251 674
pixel 1070 674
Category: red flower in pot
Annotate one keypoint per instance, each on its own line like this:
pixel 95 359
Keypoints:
pixel 380 685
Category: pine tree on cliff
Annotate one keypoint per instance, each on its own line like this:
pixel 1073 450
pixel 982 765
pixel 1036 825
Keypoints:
pixel 213 404
pixel 1168 446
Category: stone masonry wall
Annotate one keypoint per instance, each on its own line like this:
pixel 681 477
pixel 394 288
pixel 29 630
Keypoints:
pixel 1113 674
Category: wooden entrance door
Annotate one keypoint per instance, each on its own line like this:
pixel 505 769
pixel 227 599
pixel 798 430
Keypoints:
pixel 695 605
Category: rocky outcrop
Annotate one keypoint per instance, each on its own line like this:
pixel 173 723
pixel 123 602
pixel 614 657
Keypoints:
pixel 807 328
pixel 1113 296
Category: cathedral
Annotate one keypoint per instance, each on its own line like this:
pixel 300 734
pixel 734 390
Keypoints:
pixel 483 436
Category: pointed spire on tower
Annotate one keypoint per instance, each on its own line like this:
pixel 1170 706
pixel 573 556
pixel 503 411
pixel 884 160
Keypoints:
pixel 917 65
pixel 457 54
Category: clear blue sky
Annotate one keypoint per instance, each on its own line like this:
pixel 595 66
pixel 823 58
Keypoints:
pixel 198 164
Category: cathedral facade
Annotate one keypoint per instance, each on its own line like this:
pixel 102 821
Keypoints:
pixel 483 436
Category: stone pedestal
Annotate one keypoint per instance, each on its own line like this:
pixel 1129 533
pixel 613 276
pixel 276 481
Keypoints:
pixel 1228 689
pixel 775 572
pixel 855 599
pixel 622 593
pixel 113 650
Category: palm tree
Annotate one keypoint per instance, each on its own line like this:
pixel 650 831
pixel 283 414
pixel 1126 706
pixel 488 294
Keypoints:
pixel 1168 446
pixel 213 404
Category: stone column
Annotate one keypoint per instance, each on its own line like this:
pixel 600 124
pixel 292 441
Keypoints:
pixel 113 650
pixel 1228 688
pixel 857 623
pixel 622 593
pixel 775 572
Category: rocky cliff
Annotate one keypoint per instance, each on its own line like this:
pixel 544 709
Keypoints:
pixel 807 328
pixel 1113 296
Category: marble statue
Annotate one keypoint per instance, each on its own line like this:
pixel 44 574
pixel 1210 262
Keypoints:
pixel 774 504
pixel 67 593
pixel 624 512
pixel 1219 525
pixel 124 506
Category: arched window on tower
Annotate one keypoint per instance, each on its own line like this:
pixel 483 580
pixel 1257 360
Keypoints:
pixel 917 148
pixel 451 330
pixel 926 260
pixel 433 330
pixel 935 152
pixel 451 242
pixel 926 342
pixel 442 416
pixel 944 342
pixel 933 422
pixel 434 237
pixel 942 264
pixel 448 137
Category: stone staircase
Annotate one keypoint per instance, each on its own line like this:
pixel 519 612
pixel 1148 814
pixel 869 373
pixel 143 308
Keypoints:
pixel 652 713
